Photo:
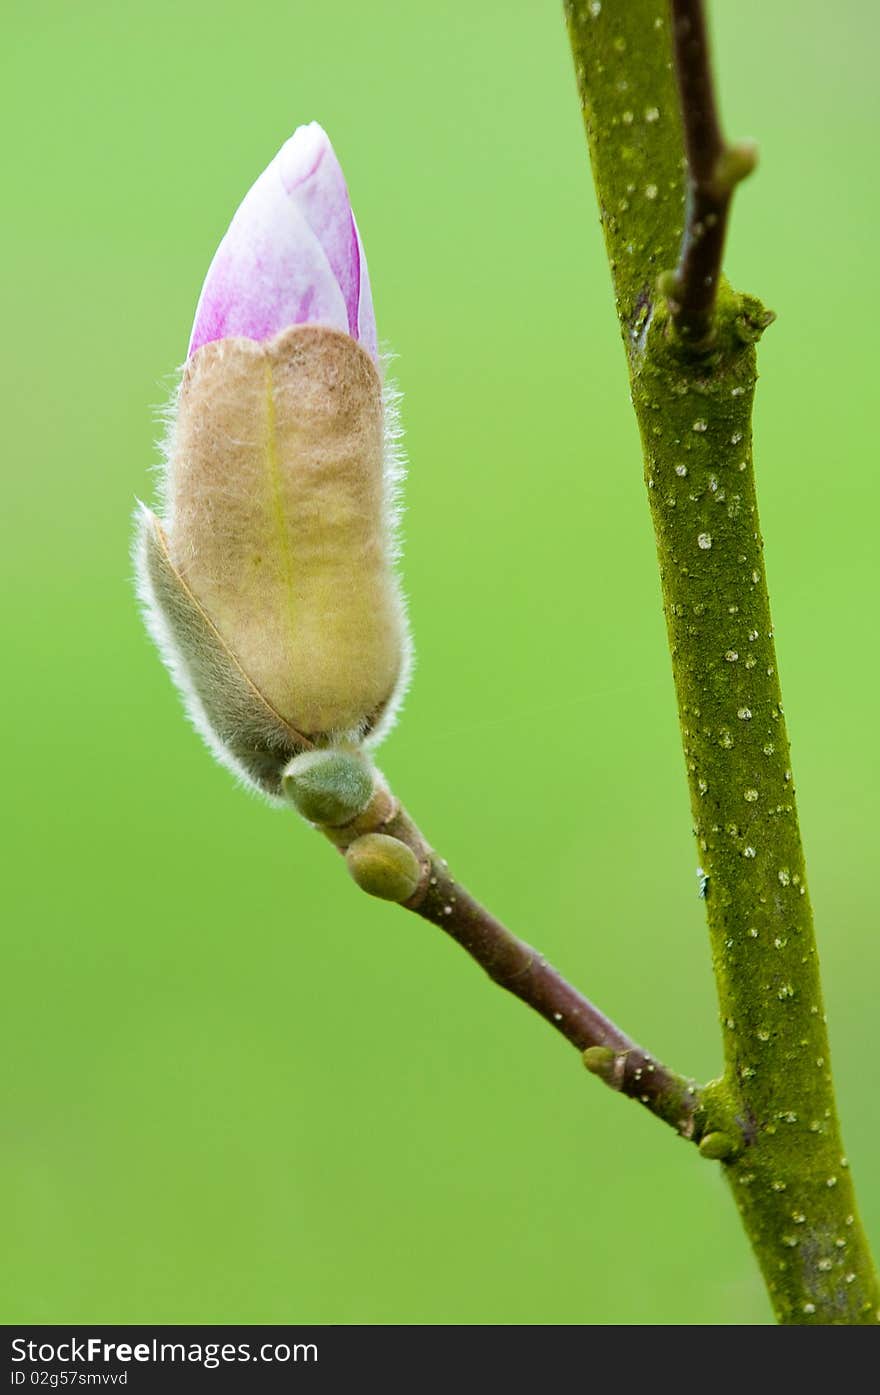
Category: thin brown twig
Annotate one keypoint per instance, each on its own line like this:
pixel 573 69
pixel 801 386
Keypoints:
pixel 714 170
pixel 607 1051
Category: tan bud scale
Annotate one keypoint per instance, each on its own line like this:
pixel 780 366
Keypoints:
pixel 270 584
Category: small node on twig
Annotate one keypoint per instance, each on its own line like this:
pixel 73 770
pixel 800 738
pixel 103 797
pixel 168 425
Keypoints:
pixel 718 1146
pixel 734 164
pixel 384 866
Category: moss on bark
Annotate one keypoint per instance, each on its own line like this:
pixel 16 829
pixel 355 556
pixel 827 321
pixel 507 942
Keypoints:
pixel 775 1101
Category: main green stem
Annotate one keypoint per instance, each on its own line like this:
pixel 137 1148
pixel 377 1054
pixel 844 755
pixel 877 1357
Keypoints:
pixel 789 1177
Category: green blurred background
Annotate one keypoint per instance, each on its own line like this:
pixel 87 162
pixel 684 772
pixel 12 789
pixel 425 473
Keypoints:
pixel 236 1089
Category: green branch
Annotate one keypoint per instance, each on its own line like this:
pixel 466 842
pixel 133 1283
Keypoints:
pixel 790 1181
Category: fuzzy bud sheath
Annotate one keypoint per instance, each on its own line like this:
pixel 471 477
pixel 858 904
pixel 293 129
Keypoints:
pixel 268 583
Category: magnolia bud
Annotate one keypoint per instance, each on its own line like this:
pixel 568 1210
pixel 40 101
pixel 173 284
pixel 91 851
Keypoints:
pixel 268 583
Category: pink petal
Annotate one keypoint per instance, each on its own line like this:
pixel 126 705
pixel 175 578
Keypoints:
pixel 366 318
pixel 292 254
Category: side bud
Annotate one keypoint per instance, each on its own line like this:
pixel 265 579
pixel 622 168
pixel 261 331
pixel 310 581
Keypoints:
pixel 384 867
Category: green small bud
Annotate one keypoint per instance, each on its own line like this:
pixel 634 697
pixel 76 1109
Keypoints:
pixel 717 1146
pixel 383 866
pixel 600 1060
pixel 328 787
pixel 667 284
pixel 735 163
